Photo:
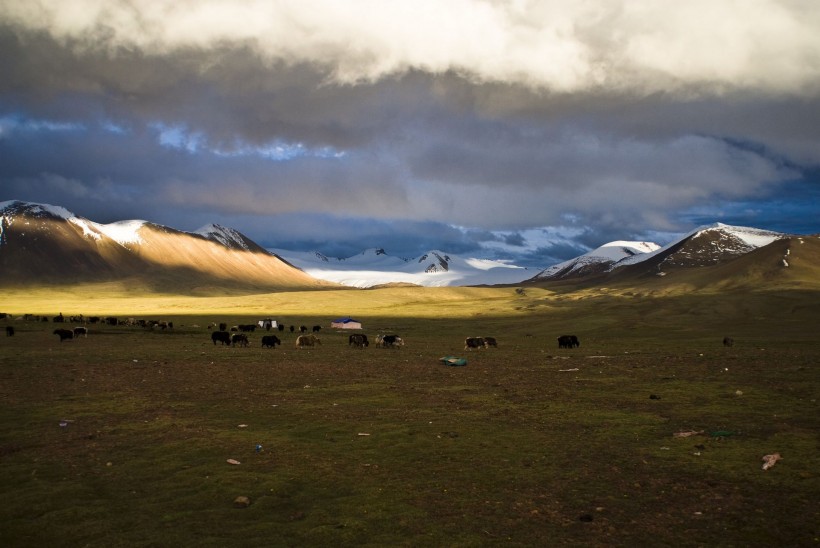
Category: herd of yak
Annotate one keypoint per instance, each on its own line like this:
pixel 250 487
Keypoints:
pixel 357 340
pixel 237 336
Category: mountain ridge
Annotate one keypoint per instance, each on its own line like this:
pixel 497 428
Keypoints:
pixel 41 243
pixel 706 245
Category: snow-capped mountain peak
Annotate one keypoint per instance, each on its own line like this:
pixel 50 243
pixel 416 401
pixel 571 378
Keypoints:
pixel 436 261
pixel 12 208
pixel 228 237
pixel 709 244
pixel 375 266
pixel 122 232
pixel 598 260
pixel 704 246
pixel 753 237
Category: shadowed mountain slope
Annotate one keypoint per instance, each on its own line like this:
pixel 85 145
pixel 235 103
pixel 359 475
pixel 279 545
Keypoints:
pixel 41 244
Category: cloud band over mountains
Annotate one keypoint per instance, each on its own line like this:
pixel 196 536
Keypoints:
pixel 290 119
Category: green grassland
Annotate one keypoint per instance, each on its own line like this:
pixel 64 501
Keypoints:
pixel 122 438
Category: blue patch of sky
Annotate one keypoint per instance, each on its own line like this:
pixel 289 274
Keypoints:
pixel 113 127
pixel 179 137
pixel 280 151
pixel 17 122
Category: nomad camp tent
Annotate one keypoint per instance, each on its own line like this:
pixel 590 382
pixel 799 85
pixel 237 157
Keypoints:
pixel 346 323
pixel 268 324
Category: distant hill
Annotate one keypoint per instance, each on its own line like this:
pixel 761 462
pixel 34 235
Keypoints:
pixel 45 244
pixel 704 246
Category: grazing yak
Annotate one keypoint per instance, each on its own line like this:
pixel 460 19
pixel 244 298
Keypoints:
pixel 9 331
pixel 359 341
pixel 490 341
pixel 80 331
pixel 240 339
pixel 568 341
pixel 728 341
pixel 389 341
pixel 474 342
pixel 307 340
pixel 222 336
pixel 317 328
pixel 271 341
pixel 64 334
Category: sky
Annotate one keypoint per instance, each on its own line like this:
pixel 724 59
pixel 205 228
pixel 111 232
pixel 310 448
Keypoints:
pixel 527 131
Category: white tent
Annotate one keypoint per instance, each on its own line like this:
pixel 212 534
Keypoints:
pixel 346 323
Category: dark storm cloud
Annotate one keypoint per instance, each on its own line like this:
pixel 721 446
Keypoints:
pixel 793 211
pixel 345 236
pixel 553 254
pixel 294 121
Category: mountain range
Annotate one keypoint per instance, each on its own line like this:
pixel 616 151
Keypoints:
pixel 375 267
pixel 45 244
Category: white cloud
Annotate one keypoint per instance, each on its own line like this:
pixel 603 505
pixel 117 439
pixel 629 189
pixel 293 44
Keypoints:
pixel 646 46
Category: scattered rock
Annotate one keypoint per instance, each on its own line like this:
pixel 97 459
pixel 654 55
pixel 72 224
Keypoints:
pixel 770 460
pixel 241 502
pixel 687 433
pixel 654 397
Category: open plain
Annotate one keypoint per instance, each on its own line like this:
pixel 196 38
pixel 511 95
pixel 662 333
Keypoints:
pixel 124 437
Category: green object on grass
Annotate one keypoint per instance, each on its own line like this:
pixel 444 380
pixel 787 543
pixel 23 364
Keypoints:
pixel 453 360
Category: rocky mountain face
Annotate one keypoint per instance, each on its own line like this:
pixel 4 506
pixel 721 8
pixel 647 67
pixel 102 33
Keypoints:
pixel 437 262
pixel 230 238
